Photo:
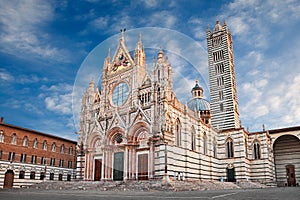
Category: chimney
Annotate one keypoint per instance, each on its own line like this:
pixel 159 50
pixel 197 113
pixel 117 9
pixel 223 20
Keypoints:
pixel 2 120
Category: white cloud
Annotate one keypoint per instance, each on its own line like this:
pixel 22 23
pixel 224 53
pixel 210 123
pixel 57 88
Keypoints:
pixel 5 76
pixel 58 98
pixel 99 23
pixel 22 32
pixel 150 3
pixel 61 103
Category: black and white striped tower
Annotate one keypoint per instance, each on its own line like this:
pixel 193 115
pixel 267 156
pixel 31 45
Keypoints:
pixel 223 97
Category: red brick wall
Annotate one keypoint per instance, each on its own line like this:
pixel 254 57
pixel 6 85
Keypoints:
pixel 19 149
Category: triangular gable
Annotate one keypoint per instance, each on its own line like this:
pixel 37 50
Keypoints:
pixel 96 127
pixel 117 120
pixel 122 58
pixel 139 113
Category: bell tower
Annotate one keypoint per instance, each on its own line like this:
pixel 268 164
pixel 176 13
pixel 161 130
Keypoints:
pixel 224 102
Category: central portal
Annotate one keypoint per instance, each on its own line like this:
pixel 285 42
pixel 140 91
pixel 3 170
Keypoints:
pixel 143 167
pixel 118 166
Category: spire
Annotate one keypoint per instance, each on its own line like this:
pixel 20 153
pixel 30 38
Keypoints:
pixel 139 54
pixel 160 56
pixel 92 84
pixel 108 56
pixel 123 32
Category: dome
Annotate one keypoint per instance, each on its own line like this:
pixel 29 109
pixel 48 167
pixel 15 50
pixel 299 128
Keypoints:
pixel 198 104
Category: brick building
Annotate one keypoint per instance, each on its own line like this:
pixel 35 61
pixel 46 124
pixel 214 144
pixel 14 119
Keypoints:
pixel 28 156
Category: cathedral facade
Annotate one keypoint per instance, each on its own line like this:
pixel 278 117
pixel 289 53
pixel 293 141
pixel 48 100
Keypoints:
pixel 136 129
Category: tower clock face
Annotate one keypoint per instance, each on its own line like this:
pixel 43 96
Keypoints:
pixel 120 94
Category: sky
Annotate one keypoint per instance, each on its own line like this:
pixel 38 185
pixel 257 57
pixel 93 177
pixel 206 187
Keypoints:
pixel 46 48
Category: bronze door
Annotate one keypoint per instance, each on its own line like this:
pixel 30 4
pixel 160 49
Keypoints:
pixel 143 167
pixel 97 170
pixel 118 166
pixel 290 175
pixel 230 175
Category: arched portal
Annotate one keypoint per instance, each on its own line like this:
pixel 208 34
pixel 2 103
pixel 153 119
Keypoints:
pixel 9 179
pixel 287 160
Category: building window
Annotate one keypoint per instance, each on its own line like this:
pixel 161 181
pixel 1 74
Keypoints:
pixel 53 148
pixel 22 174
pixel 246 148
pixel 45 145
pixel 43 161
pixel 60 177
pixel 13 139
pixel 215 148
pixel 70 163
pixel 0 154
pixel 52 161
pixel 23 158
pixel 71 151
pixel 33 159
pixel 1 137
pixel 69 177
pixel 229 148
pixel 178 133
pixel 32 175
pixel 256 150
pixel 42 176
pixel 25 141
pixel 51 176
pixel 62 149
pixel 11 156
pixel 61 163
pixel 193 139
pixel 35 143
pixel 204 144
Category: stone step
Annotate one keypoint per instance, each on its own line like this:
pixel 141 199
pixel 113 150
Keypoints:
pixel 150 185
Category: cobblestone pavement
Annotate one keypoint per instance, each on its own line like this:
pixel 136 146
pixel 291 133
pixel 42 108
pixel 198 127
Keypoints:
pixel 290 193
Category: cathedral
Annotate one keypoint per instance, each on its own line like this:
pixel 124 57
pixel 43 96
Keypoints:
pixel 135 128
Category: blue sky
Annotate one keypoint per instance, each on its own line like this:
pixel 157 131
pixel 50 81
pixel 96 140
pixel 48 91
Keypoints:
pixel 44 45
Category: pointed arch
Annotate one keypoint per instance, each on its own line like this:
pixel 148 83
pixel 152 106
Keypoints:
pixel 215 148
pixel 178 132
pixel 193 139
pixel 229 148
pixel 256 150
pixel 115 136
pixel 204 143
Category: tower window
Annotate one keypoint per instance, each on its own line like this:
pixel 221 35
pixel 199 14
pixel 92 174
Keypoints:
pixel 219 68
pixel 220 81
pixel 221 95
pixel 218 55
pixel 221 107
